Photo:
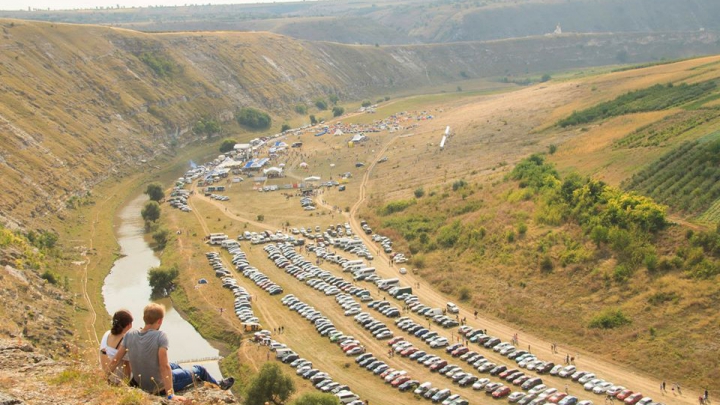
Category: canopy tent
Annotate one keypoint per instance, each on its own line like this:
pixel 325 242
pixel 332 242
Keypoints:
pixel 312 178
pixel 272 170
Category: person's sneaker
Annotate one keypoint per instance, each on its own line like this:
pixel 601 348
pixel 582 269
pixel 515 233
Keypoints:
pixel 226 383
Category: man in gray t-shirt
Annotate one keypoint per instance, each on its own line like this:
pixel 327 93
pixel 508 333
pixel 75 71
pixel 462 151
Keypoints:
pixel 142 347
pixel 147 350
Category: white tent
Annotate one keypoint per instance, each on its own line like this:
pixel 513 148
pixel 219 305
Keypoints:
pixel 272 170
pixel 303 164
pixel 338 132
pixel 312 178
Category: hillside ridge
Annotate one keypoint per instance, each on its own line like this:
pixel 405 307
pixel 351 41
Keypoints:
pixel 103 101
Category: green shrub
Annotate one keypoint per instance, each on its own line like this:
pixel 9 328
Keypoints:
pixel 160 237
pixel 396 206
pixel 609 319
pixel 253 118
pixel 448 235
pixel 227 145
pixel 366 103
pixel 285 127
pixel 162 65
pixel 662 297
pixel 50 276
pixel 457 185
pixel 622 273
pixel 338 111
pixel 321 104
pixel 207 126
pixel 301 109
pixel 546 264
pixel 419 192
pixel 465 293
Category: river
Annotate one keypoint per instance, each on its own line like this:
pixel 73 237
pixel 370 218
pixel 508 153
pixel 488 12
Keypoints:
pixel 126 286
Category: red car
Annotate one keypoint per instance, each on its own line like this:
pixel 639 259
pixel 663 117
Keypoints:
pixel 396 382
pixel 460 351
pixel 501 392
pixel 633 399
pixel 350 347
pixel 623 394
pixel 437 366
pixel 507 372
pixel 395 340
pixel 386 372
pixel 410 350
pixel 555 398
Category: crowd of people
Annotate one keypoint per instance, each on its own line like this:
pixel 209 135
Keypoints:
pixel 139 357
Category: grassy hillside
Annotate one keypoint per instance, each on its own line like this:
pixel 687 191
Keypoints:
pixel 102 102
pixel 559 248
pixel 405 22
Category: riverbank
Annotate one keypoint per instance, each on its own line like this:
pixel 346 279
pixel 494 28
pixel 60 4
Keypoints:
pixel 87 236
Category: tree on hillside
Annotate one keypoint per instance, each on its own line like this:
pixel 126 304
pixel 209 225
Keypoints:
pixel 253 118
pixel 366 103
pixel 313 120
pixel 150 211
pixel 334 99
pixel 301 109
pixel 227 145
pixel 270 385
pixel 321 104
pixel 338 111
pixel 316 398
pixel 285 127
pixel 155 191
pixel 207 126
pixel 162 280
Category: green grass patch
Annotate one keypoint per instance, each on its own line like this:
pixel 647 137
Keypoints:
pixel 396 206
pixel 609 319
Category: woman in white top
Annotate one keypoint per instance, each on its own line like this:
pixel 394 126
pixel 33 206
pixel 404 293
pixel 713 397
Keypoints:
pixel 121 323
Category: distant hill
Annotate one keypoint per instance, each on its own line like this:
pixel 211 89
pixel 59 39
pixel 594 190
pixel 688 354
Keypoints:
pixel 83 103
pixel 406 22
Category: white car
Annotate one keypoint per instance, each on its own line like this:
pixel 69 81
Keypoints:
pixel 403 270
pixel 480 384
pixel 592 384
pixel 439 342
pixel 452 308
pixel 601 388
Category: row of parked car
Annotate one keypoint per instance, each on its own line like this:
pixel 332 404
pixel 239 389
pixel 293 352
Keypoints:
pixel 243 300
pixel 178 199
pixel 403 382
pixel 528 361
pixel 349 345
pixel 219 197
pixel 304 368
pixel 378 329
pixel 512 376
pixel 284 256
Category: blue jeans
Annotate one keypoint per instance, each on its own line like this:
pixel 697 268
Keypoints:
pixel 182 378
